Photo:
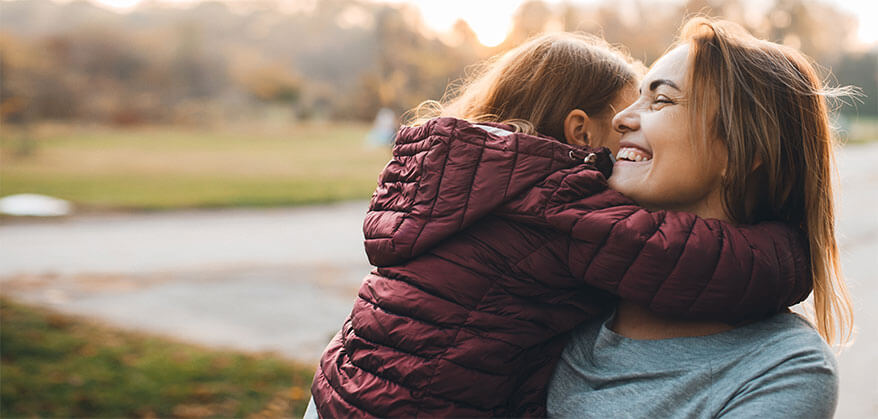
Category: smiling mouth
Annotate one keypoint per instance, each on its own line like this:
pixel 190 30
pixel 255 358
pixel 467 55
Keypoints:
pixel 633 154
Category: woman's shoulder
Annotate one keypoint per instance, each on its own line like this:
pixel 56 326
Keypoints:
pixel 789 330
pixel 796 370
pixel 785 340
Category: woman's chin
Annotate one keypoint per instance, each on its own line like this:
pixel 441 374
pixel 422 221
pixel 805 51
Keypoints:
pixel 627 177
pixel 622 184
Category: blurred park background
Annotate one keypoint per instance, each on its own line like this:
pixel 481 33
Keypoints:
pixel 214 158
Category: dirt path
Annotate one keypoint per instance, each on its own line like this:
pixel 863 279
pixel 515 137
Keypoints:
pixel 283 279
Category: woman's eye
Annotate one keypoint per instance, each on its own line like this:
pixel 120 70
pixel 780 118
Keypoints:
pixel 662 99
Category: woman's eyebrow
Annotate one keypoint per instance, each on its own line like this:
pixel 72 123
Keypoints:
pixel 656 83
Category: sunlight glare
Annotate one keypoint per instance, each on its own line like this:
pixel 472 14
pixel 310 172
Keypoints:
pixel 119 4
pixel 866 12
pixel 490 30
pixel 868 30
pixel 868 34
pixel 489 19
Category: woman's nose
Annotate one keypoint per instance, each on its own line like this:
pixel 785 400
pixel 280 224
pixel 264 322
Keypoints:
pixel 626 120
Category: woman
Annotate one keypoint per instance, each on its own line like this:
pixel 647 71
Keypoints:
pixel 491 245
pixel 736 129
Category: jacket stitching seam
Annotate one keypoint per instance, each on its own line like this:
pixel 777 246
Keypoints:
pixel 384 378
pixel 713 273
pixel 334 389
pixel 793 287
pixel 438 324
pixel 676 263
pixel 639 253
pixel 551 155
pixel 511 172
pixel 444 353
pixel 414 389
pixel 471 183
pixel 752 268
pixel 398 349
pixel 433 199
pixel 598 249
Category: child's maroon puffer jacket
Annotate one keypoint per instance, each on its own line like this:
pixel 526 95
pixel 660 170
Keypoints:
pixel 491 247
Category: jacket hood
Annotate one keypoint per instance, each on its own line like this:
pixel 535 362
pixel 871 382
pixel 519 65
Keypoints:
pixel 449 173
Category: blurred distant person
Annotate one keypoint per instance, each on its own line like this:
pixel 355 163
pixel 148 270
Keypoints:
pixel 494 236
pixel 383 128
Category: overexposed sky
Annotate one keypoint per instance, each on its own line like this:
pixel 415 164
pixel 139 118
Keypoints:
pixel 491 19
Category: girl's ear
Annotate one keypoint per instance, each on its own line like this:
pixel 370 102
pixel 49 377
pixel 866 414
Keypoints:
pixel 576 127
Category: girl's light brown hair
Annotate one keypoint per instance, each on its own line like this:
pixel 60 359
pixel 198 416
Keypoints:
pixel 769 107
pixel 535 85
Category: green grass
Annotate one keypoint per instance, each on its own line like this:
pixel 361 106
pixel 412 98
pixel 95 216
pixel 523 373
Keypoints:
pixel 173 167
pixel 61 366
pixel 165 167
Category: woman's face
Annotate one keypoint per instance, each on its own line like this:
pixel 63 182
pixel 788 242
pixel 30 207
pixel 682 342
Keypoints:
pixel 659 164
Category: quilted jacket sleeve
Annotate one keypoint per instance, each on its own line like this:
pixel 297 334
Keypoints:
pixel 447 174
pixel 674 263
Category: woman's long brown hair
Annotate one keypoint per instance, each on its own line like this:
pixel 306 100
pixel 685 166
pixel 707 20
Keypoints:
pixel 769 107
pixel 535 85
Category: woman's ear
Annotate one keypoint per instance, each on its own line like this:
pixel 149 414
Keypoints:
pixel 575 127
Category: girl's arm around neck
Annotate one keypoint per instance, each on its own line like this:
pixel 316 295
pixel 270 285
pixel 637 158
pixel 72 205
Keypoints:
pixel 672 263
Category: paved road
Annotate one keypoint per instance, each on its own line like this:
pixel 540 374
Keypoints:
pixel 278 280
pixel 283 279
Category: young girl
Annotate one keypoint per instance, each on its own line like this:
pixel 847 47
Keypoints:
pixel 494 235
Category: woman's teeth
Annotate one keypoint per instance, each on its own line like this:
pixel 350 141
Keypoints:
pixel 632 154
